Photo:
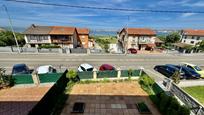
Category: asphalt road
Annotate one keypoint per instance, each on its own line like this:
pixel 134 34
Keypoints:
pixel 7 60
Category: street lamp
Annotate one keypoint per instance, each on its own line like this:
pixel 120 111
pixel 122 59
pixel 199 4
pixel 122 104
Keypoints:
pixel 10 22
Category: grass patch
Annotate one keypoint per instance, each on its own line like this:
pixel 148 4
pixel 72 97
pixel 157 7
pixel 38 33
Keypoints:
pixel 197 92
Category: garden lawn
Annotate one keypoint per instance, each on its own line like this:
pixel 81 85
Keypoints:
pixel 197 92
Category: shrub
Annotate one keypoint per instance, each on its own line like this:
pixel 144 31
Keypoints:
pixel 167 105
pixel 71 74
pixel 176 77
pixel 146 81
pixel 183 110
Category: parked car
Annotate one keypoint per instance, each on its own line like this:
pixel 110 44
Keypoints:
pixel 195 68
pixel 166 70
pixel 85 67
pixel 105 67
pixel 187 73
pixel 132 51
pixel 46 69
pixel 20 69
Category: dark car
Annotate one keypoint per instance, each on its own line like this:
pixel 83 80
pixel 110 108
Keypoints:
pixel 166 70
pixel 132 51
pixel 188 73
pixel 20 69
pixel 105 67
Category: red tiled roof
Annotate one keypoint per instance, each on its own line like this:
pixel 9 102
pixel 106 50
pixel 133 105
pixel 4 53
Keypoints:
pixel 62 30
pixel 139 31
pixel 83 30
pixel 193 32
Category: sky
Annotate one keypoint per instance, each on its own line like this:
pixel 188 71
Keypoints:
pixel 23 15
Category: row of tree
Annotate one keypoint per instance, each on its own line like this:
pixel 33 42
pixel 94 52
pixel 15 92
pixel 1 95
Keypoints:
pixel 7 39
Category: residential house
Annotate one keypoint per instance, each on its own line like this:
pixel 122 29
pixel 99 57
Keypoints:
pixel 189 39
pixel 192 37
pixel 91 43
pixel 84 36
pixel 138 38
pixel 60 35
pixel 65 36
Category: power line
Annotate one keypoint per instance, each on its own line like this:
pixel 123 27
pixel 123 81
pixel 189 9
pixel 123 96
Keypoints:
pixel 107 8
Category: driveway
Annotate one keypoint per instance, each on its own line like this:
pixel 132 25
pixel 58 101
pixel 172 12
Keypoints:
pixel 109 99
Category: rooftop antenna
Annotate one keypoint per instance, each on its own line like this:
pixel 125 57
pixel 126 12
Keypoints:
pixel 10 22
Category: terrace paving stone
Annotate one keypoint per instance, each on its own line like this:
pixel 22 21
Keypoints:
pixel 19 101
pixel 109 99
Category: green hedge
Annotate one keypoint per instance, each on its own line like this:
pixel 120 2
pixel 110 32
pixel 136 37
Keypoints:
pixel 49 77
pixel 23 79
pixel 167 105
pixel 107 74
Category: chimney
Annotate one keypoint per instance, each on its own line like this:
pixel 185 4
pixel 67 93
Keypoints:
pixel 33 25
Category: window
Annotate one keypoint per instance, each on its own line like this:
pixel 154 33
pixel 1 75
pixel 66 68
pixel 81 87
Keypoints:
pixel 185 37
pixel 192 37
pixel 198 37
pixel 192 42
pixel 189 67
pixel 184 41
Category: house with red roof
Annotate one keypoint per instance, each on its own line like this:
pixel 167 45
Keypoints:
pixel 192 37
pixel 84 36
pixel 63 36
pixel 138 38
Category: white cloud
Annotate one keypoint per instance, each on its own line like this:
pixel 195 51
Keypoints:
pixel 184 15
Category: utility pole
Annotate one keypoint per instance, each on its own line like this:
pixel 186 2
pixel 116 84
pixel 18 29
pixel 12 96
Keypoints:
pixel 10 22
pixel 127 36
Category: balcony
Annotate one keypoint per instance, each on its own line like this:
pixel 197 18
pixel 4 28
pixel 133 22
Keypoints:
pixel 38 41
pixel 60 41
pixel 146 41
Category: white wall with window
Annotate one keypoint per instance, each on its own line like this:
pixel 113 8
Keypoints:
pixel 191 40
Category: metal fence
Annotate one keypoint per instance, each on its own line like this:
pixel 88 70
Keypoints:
pixel 85 75
pixel 49 77
pixel 44 78
pixel 78 50
pixel 189 101
pixel 23 79
pixel 126 73
pixel 107 74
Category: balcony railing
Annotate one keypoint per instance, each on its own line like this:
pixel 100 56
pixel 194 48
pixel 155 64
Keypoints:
pixel 38 41
pixel 61 41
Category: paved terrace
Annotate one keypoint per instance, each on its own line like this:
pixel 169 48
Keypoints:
pixel 109 99
pixel 18 101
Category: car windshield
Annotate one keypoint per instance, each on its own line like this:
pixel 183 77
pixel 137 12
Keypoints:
pixel 19 70
pixel 197 68
pixel 90 69
pixel 83 68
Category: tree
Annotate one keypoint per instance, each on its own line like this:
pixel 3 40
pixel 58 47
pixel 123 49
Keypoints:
pixel 176 77
pixel 172 37
pixel 201 45
pixel 162 37
pixel 7 38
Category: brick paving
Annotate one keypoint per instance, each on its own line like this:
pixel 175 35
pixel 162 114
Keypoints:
pixel 18 101
pixel 108 99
